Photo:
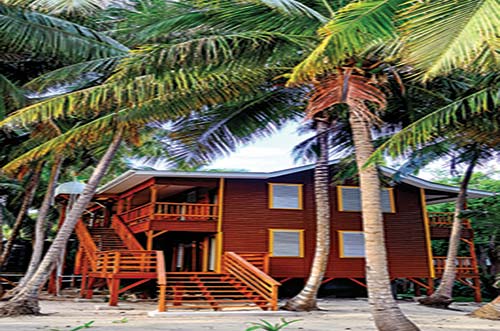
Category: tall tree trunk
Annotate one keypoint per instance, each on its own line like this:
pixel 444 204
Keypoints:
pixel 490 310
pixel 306 299
pixel 3 199
pixel 26 204
pixel 443 295
pixel 385 311
pixel 25 302
pixel 41 222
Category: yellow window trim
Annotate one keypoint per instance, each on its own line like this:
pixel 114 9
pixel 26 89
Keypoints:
pixel 341 245
pixel 427 229
pixel 270 192
pixel 301 242
pixel 340 200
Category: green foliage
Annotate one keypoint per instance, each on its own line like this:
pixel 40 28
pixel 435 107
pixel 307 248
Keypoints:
pixel 267 326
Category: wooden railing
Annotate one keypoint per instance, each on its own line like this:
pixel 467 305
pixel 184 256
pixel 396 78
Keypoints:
pixel 136 214
pixel 203 211
pixel 445 220
pixel 260 260
pixel 465 265
pixel 125 234
pixel 252 277
pixel 115 262
pixel 87 242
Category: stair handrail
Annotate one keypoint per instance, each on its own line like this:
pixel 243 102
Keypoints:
pixel 123 231
pixel 254 278
pixel 86 242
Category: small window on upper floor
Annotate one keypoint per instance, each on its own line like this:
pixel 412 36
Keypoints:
pixel 285 196
pixel 349 199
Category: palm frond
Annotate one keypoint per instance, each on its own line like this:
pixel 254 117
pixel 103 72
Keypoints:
pixel 221 83
pixel 10 95
pixel 353 29
pixel 428 127
pixel 72 73
pixel 199 138
pixel 40 34
pixel 448 34
pixel 81 7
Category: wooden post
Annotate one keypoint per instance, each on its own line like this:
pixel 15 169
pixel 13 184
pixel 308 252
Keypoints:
pixel 85 270
pixel 149 244
pixel 90 292
pixel 266 263
pixel 274 302
pixel 119 208
pixel 113 292
pixel 154 193
pixel 206 246
pixel 162 299
pixel 430 290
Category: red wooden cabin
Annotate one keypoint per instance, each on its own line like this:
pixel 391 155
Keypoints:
pixel 218 239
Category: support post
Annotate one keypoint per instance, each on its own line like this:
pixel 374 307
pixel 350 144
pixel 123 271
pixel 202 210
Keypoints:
pixel 113 292
pixel 149 244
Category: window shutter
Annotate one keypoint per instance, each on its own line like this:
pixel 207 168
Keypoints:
pixel 286 243
pixel 351 199
pixel 353 244
pixel 285 196
pixel 385 198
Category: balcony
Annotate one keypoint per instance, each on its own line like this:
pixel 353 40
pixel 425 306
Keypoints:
pixel 172 216
pixel 441 223
pixel 465 266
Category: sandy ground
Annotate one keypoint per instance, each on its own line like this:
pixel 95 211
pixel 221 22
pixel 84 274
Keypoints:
pixel 338 314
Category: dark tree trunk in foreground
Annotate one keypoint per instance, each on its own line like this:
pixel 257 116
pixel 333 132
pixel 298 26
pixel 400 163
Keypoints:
pixel 41 222
pixel 385 311
pixel 306 299
pixel 26 204
pixel 25 302
pixel 442 298
pixel 490 310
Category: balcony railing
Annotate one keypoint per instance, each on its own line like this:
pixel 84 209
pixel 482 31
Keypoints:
pixel 175 211
pixel 465 265
pixel 445 220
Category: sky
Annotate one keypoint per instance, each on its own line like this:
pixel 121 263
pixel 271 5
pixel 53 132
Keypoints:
pixel 274 153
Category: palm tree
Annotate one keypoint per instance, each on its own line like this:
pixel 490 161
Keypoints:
pixel 41 221
pixel 26 299
pixel 29 194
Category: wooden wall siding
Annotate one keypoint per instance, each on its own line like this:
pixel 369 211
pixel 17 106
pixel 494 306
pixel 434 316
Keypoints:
pixel 247 218
pixel 200 182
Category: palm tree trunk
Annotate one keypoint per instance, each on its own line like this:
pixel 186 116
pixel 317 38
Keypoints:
pixel 385 311
pixel 41 222
pixel 443 295
pixel 2 206
pixel 27 200
pixel 490 310
pixel 306 299
pixel 25 302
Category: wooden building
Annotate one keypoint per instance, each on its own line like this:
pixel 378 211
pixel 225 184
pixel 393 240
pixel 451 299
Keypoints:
pixel 219 239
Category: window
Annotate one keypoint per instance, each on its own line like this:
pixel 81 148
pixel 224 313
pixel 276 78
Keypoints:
pixel 349 199
pixel 351 244
pixel 286 243
pixel 285 196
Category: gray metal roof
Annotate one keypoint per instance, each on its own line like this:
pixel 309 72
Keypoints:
pixel 132 178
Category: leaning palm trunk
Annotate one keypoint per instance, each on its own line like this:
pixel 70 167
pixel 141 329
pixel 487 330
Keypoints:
pixel 306 299
pixel 3 198
pixel 41 223
pixel 27 200
pixel 443 295
pixel 385 311
pixel 489 311
pixel 25 302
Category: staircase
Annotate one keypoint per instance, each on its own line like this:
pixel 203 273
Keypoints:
pixel 217 291
pixel 106 239
pixel 114 254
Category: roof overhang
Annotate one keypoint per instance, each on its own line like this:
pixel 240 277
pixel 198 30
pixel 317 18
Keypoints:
pixel 435 192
